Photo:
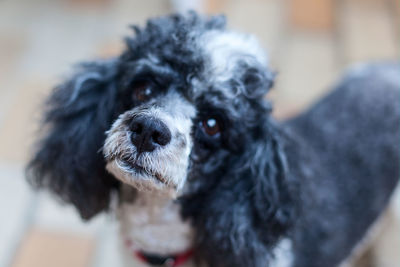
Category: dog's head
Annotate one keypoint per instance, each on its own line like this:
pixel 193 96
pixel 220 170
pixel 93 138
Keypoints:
pixel 188 88
pixel 181 111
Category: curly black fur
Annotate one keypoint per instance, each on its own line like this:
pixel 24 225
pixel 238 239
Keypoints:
pixel 304 179
pixel 246 205
pixel 69 161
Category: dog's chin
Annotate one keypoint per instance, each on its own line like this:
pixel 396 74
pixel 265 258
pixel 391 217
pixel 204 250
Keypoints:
pixel 142 180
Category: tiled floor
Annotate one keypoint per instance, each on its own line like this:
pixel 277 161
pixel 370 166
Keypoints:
pixel 39 41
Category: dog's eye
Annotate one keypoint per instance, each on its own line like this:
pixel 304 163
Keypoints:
pixel 142 90
pixel 211 126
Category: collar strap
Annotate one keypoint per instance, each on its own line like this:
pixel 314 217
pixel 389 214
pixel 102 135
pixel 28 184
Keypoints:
pixel 174 260
pixel 168 261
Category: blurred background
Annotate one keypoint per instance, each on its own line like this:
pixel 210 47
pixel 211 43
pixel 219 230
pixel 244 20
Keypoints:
pixel 309 42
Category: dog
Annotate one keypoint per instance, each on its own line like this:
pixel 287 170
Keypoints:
pixel 177 128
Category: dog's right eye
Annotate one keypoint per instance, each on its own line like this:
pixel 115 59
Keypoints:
pixel 142 91
pixel 211 126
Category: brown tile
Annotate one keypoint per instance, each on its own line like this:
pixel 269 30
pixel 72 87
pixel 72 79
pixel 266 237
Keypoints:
pixel 88 3
pixel 312 14
pixel 12 46
pixel 110 49
pixel 13 189
pixel 41 248
pixel 387 245
pixel 365 260
pixel 366 31
pixel 215 6
pixel 20 123
pixel 54 215
pixel 306 70
pixel 267 21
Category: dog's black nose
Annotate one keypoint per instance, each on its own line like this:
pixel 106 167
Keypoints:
pixel 148 133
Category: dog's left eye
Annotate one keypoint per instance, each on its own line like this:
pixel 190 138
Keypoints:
pixel 142 90
pixel 211 126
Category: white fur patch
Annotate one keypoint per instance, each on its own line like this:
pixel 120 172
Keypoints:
pixel 283 254
pixel 153 224
pixel 225 49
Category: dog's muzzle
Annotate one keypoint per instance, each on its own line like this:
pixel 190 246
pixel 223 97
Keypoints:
pixel 148 147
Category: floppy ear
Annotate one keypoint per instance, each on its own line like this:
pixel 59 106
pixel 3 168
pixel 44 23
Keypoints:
pixel 68 160
pixel 249 209
pixel 257 82
pixel 255 79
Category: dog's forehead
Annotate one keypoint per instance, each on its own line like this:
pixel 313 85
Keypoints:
pixel 225 55
pixel 176 105
pixel 223 50
pixel 199 60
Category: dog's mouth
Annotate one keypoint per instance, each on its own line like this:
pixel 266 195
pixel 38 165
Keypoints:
pixel 134 174
pixel 141 171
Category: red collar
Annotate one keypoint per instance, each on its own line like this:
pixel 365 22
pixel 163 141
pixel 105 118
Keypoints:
pixel 174 260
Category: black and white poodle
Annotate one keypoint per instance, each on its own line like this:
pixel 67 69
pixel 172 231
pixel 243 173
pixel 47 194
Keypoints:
pixel 178 129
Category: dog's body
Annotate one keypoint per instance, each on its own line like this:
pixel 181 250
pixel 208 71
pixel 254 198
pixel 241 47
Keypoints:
pixel 205 170
pixel 348 170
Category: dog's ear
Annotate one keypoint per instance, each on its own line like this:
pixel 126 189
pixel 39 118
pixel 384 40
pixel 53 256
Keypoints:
pixel 68 160
pixel 242 216
pixel 256 79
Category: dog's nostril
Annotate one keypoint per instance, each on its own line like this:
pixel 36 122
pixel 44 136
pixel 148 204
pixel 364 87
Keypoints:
pixel 148 133
pixel 136 127
pixel 161 138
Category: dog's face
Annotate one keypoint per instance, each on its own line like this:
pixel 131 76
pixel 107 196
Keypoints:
pixel 181 111
pixel 149 145
pixel 176 117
